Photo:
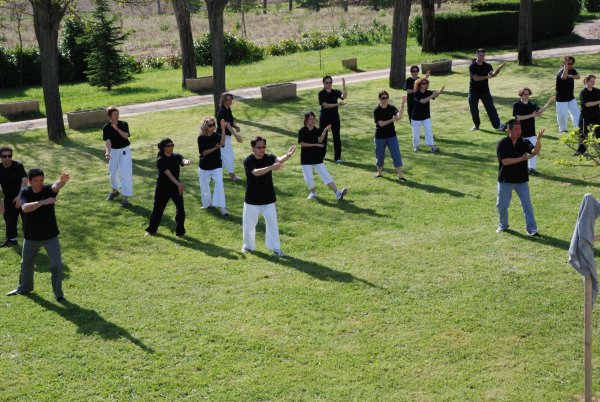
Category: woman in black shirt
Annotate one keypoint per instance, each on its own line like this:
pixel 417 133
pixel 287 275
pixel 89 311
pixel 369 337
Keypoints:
pixel 421 114
pixel 590 110
pixel 224 113
pixel 385 133
pixel 168 187
pixel 210 167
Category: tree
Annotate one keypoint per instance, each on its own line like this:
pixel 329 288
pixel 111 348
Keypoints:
pixel 186 41
pixel 106 66
pixel 428 18
pixel 399 37
pixel 525 32
pixel 215 10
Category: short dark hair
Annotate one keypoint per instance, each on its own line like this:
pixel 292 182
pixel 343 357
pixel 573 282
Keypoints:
pixel 162 145
pixel 588 77
pixel 256 139
pixel 383 93
pixel 511 123
pixel 110 110
pixel 326 78
pixel 415 66
pixel 35 172
pixel 307 115
pixel 5 148
pixel 480 50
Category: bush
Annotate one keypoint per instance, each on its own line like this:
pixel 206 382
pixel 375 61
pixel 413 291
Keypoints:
pixel 593 6
pixel 237 50
pixel 379 4
pixel 133 65
pixel 495 5
pixel 8 69
pixel 74 47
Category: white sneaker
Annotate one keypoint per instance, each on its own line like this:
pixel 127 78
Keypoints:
pixel 312 196
pixel 246 250
pixel 278 253
pixel 223 211
pixel 415 149
pixel 341 193
pixel 339 161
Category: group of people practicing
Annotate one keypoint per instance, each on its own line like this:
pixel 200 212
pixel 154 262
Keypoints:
pixel 26 195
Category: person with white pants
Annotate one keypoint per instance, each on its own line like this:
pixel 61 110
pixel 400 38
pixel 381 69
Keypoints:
pixel 210 167
pixel 260 195
pixel 116 135
pixel 232 129
pixel 421 114
pixel 311 157
pixel 566 104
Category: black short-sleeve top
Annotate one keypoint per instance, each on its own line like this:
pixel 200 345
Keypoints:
pixel 527 125
pixel 212 160
pixel 40 224
pixel 565 88
pixel 482 70
pixel 116 141
pixel 383 114
pixel 519 172
pixel 310 155
pixel 259 189
pixel 171 163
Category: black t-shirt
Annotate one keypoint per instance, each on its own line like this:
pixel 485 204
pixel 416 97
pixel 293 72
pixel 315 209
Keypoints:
pixel 40 224
pixel 171 163
pixel 213 160
pixel 590 115
pixel 116 141
pixel 329 97
pixel 310 155
pixel 11 179
pixel 481 70
pixel 380 114
pixel 259 189
pixel 227 115
pixel 519 172
pixel 410 101
pixel 527 125
pixel 421 111
pixel 565 88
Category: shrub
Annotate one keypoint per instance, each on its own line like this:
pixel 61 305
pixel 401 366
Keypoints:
pixel 8 69
pixel 495 5
pixel 379 4
pixel 134 66
pixel 283 47
pixel 237 50
pixel 74 47
pixel 593 6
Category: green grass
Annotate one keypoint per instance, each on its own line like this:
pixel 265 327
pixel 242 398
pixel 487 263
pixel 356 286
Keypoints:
pixel 400 292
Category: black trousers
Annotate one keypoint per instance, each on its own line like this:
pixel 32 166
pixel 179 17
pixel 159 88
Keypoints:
pixel 11 217
pixel 584 129
pixel 324 121
pixel 162 196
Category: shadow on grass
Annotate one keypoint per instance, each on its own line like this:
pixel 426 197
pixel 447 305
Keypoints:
pixel 268 128
pixel 314 269
pixel 349 207
pixel 89 322
pixel 547 240
pixel 23 116
pixel 195 244
pixel 430 188
pixel 574 182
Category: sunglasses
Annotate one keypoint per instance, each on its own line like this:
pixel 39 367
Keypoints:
pixel 328 82
pixel 260 147
pixel 6 156
pixel 384 97
pixel 169 145
pixel 210 125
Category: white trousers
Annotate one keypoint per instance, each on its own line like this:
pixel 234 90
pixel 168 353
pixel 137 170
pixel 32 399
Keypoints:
pixel 227 155
pixel 564 108
pixel 416 131
pixel 120 161
pixel 218 196
pixel 249 221
pixel 532 163
pixel 307 172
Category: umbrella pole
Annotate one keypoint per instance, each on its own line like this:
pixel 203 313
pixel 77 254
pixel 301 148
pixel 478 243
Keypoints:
pixel 588 340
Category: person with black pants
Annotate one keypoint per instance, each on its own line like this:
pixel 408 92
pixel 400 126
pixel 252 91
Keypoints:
pixel 12 179
pixel 481 72
pixel 590 111
pixel 168 187
pixel 329 116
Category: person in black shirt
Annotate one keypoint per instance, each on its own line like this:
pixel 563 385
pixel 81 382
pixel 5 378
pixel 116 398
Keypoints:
pixel 565 99
pixel 12 179
pixel 385 133
pixel 40 229
pixel 590 111
pixel 329 116
pixel 410 88
pixel 421 115
pixel 260 195
pixel 116 135
pixel 168 187
pixel 481 72
pixel 526 112
pixel 311 157
pixel 224 113
pixel 513 152
pixel 210 166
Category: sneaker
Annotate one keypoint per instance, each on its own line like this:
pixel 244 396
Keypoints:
pixel 402 179
pixel 435 149
pixel 500 229
pixel 9 242
pixel 124 204
pixel 378 176
pixel 278 253
pixel 501 128
pixel 223 211
pixel 341 193
pixel 534 233
pixel 61 299
pixel 246 250
pixel 581 150
pixel 339 161
pixel 206 207
pixel 312 196
pixel 415 149
pixel 112 196
pixel 534 172
pixel 474 128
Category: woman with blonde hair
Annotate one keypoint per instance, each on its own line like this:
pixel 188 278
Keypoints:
pixel 231 129
pixel 421 114
pixel 210 167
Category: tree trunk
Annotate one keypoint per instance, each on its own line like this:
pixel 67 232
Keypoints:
pixel 525 33
pixel 345 5
pixel 215 10
pixel 188 59
pixel 439 4
pixel 264 6
pixel 428 13
pixel 399 36
pixel 47 15
pixel 291 5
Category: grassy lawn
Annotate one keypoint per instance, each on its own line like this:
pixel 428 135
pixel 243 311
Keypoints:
pixel 399 292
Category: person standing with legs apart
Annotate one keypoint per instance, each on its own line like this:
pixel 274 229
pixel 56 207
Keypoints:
pixel 12 179
pixel 168 187
pixel 526 112
pixel 329 116
pixel 421 116
pixel 479 89
pixel 210 166
pixel 513 152
pixel 116 135
pixel 260 195
pixel 566 104
pixel 232 129
pixel 385 133
pixel 311 157
pixel 590 111
pixel 410 88
pixel 40 229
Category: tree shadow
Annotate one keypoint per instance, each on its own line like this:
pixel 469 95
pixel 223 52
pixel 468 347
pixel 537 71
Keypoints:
pixel 23 116
pixel 547 240
pixel 266 127
pixel 88 321
pixel 456 155
pixel 430 188
pixel 457 142
pixel 195 244
pixel 349 207
pixel 314 269
pixel 574 182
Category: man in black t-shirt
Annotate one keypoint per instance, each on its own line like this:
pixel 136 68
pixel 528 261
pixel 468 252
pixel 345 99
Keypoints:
pixel 565 97
pixel 479 89
pixel 513 152
pixel 40 229
pixel 116 135
pixel 328 100
pixel 260 195
pixel 12 179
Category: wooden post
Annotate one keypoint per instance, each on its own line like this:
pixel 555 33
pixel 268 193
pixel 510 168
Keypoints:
pixel 588 340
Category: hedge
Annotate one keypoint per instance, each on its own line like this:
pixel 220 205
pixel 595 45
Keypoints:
pixel 495 5
pixel 22 67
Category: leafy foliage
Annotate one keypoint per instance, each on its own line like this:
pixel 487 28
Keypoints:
pixel 74 46
pixel 237 50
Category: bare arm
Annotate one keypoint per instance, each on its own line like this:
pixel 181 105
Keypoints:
pixel 32 206
pixel 288 155
pixel 592 104
pixel 538 145
pixel 108 146
pixel 60 183
pixel 344 90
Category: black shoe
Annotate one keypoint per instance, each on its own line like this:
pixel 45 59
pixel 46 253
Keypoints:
pixel 534 172
pixel 581 150
pixel 112 195
pixel 61 299
pixel 9 242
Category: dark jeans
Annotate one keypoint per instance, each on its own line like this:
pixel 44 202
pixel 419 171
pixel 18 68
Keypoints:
pixel 488 103
pixel 161 198
pixel 11 217
pixel 324 121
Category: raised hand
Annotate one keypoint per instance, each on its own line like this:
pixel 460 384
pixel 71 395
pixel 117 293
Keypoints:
pixel 291 150
pixel 540 133
pixel 277 166
pixel 65 177
pixel 343 82
pixel 327 128
pixel 404 99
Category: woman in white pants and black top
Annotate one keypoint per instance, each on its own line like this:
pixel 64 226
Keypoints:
pixel 421 114
pixel 232 129
pixel 311 157
pixel 566 104
pixel 260 195
pixel 116 135
pixel 210 167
